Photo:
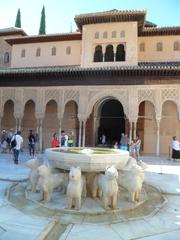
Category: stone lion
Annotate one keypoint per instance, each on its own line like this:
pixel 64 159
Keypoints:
pixel 33 164
pixel 106 185
pixel 48 182
pixel 76 188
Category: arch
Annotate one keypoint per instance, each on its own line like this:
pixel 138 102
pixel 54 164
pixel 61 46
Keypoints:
pixel 6 58
pixel 96 35
pixel 105 34
pixel 38 52
pixel 23 53
pixel 98 55
pixel 70 123
pixel 53 51
pixel 146 126
pixel 50 122
pixel 28 120
pixel 176 46
pixel 99 98
pixel 68 50
pixel 114 34
pixel 109 54
pixel 169 126
pixel 120 53
pixel 159 47
pixel 8 121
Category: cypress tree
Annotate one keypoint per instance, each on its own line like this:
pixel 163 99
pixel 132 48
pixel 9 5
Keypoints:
pixel 42 28
pixel 18 19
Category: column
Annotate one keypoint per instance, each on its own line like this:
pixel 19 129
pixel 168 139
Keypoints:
pixel 39 123
pixel 134 129
pixel 84 133
pixel 130 131
pixel 18 124
pixel 157 136
pixel 80 132
pixel 0 122
pixel 60 128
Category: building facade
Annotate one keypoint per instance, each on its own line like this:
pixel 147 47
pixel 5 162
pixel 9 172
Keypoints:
pixel 117 74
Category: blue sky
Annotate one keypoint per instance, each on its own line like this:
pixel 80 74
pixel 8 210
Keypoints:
pixel 60 13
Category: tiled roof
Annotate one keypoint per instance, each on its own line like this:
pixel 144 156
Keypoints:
pixel 156 31
pixel 111 16
pixel 46 38
pixel 12 31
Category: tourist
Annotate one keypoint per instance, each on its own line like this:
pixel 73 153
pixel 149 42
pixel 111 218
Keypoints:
pixel 63 139
pixel 103 139
pixel 137 147
pixel 4 143
pixel 9 137
pixel 124 142
pixel 175 148
pixel 31 144
pixel 17 146
pixel 116 145
pixel 132 151
pixel 70 140
pixel 55 141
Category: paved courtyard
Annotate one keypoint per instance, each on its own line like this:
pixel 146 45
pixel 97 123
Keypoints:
pixel 19 223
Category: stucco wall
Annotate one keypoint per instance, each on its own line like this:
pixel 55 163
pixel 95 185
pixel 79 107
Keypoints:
pixel 152 55
pixel 89 42
pixel 46 58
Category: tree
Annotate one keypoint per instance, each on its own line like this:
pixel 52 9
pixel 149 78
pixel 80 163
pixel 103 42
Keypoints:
pixel 42 28
pixel 18 19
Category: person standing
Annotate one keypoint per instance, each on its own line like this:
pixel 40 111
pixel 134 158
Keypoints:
pixel 137 147
pixel 175 148
pixel 55 141
pixel 64 139
pixel 31 144
pixel 16 149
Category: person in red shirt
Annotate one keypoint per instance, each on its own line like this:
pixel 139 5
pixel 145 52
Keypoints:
pixel 55 141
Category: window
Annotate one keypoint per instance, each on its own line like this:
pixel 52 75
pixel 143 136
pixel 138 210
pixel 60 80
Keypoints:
pixel 38 52
pixel 142 47
pixel 159 47
pixel 120 53
pixel 98 55
pixel 176 46
pixel 6 57
pixel 23 53
pixel 122 33
pixel 68 50
pixel 96 36
pixel 105 35
pixel 53 51
pixel 109 54
pixel 114 34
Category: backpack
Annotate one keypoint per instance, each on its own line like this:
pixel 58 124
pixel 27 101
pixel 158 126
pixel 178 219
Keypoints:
pixel 13 143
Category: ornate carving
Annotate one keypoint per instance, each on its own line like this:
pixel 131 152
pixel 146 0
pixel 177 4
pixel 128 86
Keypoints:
pixel 146 95
pixel 169 93
pixel 52 94
pixel 71 95
pixel 8 94
pixel 29 94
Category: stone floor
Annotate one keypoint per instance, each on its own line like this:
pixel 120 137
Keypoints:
pixel 19 221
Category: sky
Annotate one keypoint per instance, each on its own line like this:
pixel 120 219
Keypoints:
pixel 60 13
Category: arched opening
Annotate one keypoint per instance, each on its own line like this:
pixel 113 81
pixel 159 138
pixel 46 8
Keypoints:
pixel 50 123
pixel 109 54
pixel 28 121
pixel 112 121
pixel 70 123
pixel 120 53
pixel 98 55
pixel 8 121
pixel 169 127
pixel 146 127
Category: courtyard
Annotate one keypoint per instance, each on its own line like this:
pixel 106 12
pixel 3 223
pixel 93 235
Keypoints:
pixel 22 219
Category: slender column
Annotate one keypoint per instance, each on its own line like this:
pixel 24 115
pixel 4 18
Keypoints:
pixel 130 131
pixel 134 130
pixel 157 137
pixel 60 128
pixel 18 124
pixel 80 132
pixel 84 134
pixel 40 121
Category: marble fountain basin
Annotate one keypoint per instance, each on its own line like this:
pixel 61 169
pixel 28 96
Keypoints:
pixel 90 160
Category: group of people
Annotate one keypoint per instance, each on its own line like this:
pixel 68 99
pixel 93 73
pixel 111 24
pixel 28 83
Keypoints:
pixel 134 146
pixel 63 141
pixel 5 140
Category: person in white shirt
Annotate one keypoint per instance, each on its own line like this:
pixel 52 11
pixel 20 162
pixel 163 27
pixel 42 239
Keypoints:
pixel 16 149
pixel 175 148
pixel 63 139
